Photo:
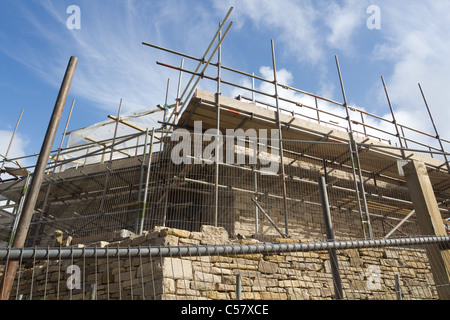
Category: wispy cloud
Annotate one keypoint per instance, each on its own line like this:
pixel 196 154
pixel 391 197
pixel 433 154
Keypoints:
pixel 344 22
pixel 17 148
pixel 418 48
pixel 113 64
pixel 294 22
pixel 412 42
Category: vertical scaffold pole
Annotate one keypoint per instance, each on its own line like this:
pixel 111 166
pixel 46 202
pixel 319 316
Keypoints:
pixel 202 60
pixel 283 175
pixel 256 207
pixel 166 105
pixel 217 142
pixel 394 121
pixel 64 133
pixel 330 237
pixel 435 128
pixel 12 138
pixel 115 130
pixel 38 176
pixel 177 102
pixel 354 156
pixel 141 181
pixel 147 180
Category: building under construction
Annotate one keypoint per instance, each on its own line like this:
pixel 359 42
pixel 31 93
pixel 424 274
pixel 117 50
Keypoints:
pixel 251 164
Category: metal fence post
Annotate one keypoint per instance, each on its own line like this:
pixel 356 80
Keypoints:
pixel 238 287
pixel 93 292
pixel 398 288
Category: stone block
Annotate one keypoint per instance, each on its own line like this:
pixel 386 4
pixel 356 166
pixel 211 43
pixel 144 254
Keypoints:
pixel 221 271
pixel 183 283
pixel 232 280
pixel 267 295
pixel 195 235
pixel 289 272
pixel 253 256
pixel 139 240
pixel 225 287
pixel 206 277
pixel 188 242
pixel 183 292
pixel 176 268
pixel 390 254
pixel 214 295
pixel 389 262
pixel 302 266
pixel 152 235
pixel 274 258
pixel 124 276
pixel 175 232
pixel 215 259
pixel 98 244
pixel 214 235
pixel 203 286
pixel 161 286
pixel 246 295
pixel 122 234
pixel 267 282
pixel 168 240
pixel 244 263
pixel 371 253
pixel 415 264
pixel 297 294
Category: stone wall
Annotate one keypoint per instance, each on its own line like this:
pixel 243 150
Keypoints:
pixel 365 273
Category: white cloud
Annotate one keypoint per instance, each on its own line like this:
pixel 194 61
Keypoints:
pixel 112 62
pixel 344 22
pixel 417 45
pixel 293 21
pixel 16 150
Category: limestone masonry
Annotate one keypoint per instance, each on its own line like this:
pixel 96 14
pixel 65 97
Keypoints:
pixel 365 273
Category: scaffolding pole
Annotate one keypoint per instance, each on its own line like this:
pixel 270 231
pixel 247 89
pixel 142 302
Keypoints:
pixel 201 61
pixel 147 180
pixel 256 207
pixel 141 181
pixel 38 176
pixel 334 264
pixel 283 174
pixel 217 138
pixel 115 129
pixel 11 141
pixel 394 121
pixel 64 134
pixel 355 156
pixel 435 128
pixel 177 103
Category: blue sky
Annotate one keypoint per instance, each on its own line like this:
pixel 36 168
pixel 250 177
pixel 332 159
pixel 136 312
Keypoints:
pixel 411 46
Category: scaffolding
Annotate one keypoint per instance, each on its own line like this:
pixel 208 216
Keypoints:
pixel 121 175
pixel 106 162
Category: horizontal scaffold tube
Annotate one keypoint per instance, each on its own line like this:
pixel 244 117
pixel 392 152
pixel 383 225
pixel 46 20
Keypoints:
pixel 26 254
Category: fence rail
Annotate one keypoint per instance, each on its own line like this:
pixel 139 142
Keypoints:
pixel 26 254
